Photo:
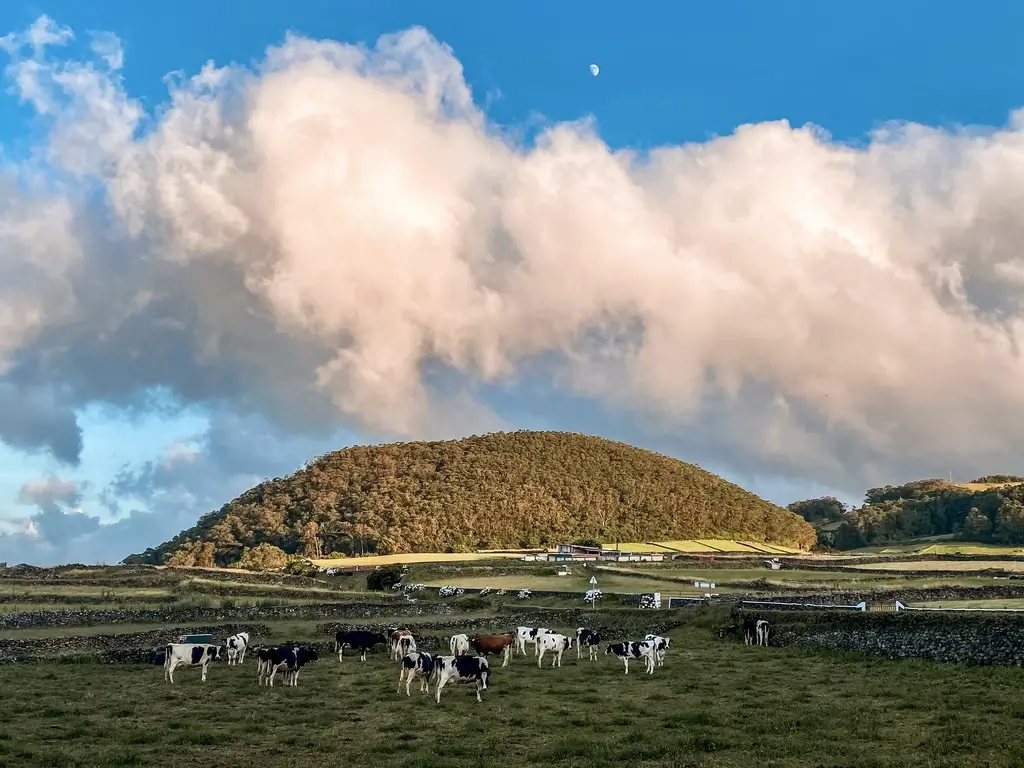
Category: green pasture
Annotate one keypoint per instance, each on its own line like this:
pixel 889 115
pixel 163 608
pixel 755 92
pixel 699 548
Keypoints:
pixel 714 704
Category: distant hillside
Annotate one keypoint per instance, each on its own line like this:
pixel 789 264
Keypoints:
pixel 989 509
pixel 500 490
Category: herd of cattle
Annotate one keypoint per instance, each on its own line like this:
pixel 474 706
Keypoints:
pixel 467 662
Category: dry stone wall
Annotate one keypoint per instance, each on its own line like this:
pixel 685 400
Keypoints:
pixel 956 638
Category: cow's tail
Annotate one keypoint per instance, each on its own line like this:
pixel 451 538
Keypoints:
pixel 167 656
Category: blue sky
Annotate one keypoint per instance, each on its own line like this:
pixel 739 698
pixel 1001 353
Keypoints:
pixel 671 73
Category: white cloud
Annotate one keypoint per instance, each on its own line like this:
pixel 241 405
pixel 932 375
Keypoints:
pixel 338 237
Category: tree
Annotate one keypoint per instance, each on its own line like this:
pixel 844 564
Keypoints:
pixel 264 557
pixel 1009 528
pixel 311 541
pixel 976 526
pixel 825 509
pixel 383 578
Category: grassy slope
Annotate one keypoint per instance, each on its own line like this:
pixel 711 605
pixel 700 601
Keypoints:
pixel 714 704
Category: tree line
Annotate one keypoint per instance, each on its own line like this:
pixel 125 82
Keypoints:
pixel 934 507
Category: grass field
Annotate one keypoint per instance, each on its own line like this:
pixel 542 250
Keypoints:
pixel 371 561
pixel 696 546
pixel 923 566
pixel 639 579
pixel 716 704
pixel 710 546
pixel 940 545
pixel 712 704
pixel 983 486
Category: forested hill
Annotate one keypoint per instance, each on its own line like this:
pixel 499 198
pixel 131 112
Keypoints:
pixel 988 509
pixel 500 490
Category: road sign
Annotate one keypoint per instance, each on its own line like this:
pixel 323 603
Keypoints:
pixel 593 579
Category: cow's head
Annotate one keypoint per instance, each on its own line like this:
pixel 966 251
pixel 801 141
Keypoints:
pixel 307 654
pixel 215 652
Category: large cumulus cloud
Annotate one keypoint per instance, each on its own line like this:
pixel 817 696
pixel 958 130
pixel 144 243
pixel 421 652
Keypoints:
pixel 337 236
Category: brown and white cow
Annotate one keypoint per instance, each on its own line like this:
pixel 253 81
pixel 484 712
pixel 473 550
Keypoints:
pixel 395 641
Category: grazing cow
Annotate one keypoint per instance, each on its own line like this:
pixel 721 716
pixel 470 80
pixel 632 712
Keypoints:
pixel 286 659
pixel 459 669
pixel 485 645
pixel 406 645
pixel 590 639
pixel 750 629
pixel 661 645
pixel 236 646
pixel 554 643
pixel 357 639
pixel 626 651
pixel 526 635
pixel 459 645
pixel 761 629
pixel 395 636
pixel 189 655
pixel 421 665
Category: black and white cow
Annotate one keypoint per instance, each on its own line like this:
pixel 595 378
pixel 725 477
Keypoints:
pixel 526 635
pixel 554 644
pixel 189 655
pixel 661 645
pixel 629 650
pixel 462 669
pixel 750 629
pixel 587 638
pixel 288 659
pixel 236 646
pixel 761 630
pixel 358 639
pixel 421 665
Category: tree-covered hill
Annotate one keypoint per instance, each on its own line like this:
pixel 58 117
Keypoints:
pixel 500 490
pixel 989 509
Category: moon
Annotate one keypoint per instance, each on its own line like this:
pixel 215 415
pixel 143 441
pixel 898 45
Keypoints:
pixel 595 70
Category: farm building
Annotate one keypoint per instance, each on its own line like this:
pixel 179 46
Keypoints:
pixel 576 552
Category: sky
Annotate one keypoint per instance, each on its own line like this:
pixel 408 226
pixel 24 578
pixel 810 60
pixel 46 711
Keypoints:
pixel 779 240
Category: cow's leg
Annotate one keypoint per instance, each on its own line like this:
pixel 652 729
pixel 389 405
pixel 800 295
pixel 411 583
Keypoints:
pixel 169 672
pixel 557 659
pixel 401 679
pixel 295 678
pixel 437 689
pixel 478 691
pixel 626 662
pixel 540 655
pixel 204 666
pixel 363 656
pixel 273 672
pixel 507 654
